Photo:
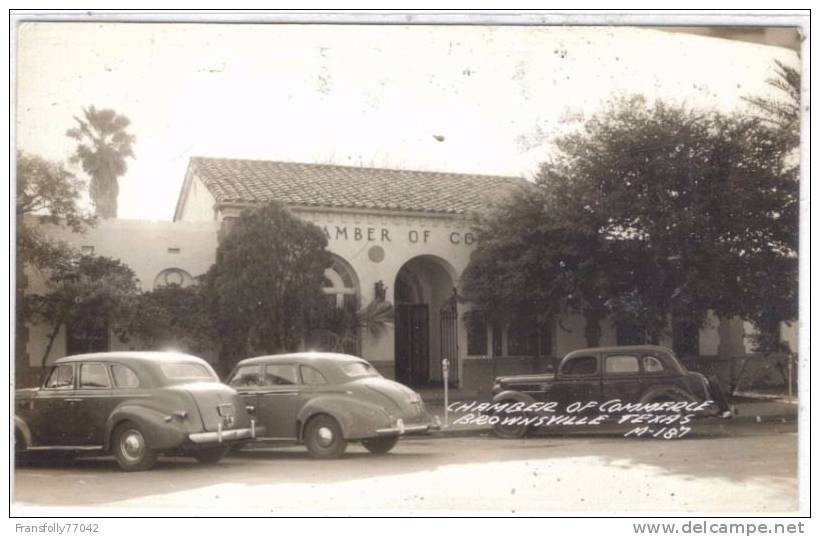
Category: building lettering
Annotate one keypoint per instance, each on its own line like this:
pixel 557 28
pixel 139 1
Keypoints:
pixel 376 234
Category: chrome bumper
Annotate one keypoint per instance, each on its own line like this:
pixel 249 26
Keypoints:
pixel 216 437
pixel 401 429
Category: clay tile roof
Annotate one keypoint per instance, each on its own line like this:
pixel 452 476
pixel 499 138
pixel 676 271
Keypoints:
pixel 324 185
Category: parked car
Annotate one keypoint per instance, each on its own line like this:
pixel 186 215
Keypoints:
pixel 326 400
pixel 134 405
pixel 629 374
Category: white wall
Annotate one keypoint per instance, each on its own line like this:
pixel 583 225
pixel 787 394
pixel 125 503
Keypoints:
pixel 140 244
pixel 199 204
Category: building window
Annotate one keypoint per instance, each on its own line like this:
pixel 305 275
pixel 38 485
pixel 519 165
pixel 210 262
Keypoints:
pixel 528 337
pixel 340 285
pixel 476 322
pixel 173 276
pixel 498 339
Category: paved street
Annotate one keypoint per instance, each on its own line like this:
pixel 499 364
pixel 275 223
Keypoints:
pixel 742 466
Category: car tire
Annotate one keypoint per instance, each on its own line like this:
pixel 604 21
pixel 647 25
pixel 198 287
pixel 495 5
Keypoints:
pixel 131 448
pixel 211 455
pixel 323 437
pixel 510 431
pixel 380 444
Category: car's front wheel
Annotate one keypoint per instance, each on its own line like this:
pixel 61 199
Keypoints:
pixel 510 425
pixel 323 437
pixel 211 455
pixel 380 445
pixel 131 449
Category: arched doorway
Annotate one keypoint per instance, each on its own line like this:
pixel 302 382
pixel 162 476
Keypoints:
pixel 424 329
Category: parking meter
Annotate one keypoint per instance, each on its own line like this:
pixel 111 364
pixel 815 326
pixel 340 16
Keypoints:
pixel 445 373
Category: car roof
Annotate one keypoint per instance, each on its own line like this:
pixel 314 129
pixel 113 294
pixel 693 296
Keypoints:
pixel 303 357
pixel 622 348
pixel 135 356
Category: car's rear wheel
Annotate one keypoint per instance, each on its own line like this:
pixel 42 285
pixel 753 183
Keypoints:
pixel 211 455
pixel 381 444
pixel 323 437
pixel 131 449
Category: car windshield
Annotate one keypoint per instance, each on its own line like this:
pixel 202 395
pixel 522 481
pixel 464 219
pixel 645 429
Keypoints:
pixel 359 369
pixel 186 371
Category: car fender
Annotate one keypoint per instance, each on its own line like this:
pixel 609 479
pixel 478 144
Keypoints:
pixel 357 419
pixel 512 395
pixel 25 432
pixel 159 433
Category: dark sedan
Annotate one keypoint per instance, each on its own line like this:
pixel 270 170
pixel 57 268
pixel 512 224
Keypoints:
pixel 134 405
pixel 640 374
pixel 325 400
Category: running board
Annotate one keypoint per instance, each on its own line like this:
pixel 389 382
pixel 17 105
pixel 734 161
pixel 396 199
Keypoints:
pixel 64 448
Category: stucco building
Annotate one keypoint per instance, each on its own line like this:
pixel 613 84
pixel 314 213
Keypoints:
pixel 404 234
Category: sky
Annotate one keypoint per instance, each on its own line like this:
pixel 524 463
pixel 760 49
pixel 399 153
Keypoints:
pixel 471 99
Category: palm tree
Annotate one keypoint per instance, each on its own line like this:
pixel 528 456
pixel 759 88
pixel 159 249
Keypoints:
pixel 103 147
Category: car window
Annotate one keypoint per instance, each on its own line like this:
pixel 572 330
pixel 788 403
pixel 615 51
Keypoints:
pixel 186 371
pixel 247 375
pixel 94 376
pixel 61 378
pixel 124 377
pixel 280 374
pixel 359 369
pixel 652 364
pixel 621 363
pixel 311 376
pixel 580 366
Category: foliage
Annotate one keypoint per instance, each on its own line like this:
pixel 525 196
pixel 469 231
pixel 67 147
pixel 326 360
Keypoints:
pixel 102 149
pixel 47 191
pixel 783 111
pixel 376 317
pixel 89 293
pixel 266 284
pixel 174 317
pixel 649 211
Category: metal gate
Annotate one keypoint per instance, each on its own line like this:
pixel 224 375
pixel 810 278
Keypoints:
pixel 449 337
pixel 412 344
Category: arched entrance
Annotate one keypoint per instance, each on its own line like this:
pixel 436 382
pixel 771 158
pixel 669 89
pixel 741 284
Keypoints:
pixel 425 329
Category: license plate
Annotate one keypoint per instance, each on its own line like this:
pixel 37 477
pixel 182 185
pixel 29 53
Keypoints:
pixel 225 410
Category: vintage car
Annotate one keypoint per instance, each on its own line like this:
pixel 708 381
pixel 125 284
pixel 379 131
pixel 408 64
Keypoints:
pixel 134 405
pixel 325 400
pixel 624 374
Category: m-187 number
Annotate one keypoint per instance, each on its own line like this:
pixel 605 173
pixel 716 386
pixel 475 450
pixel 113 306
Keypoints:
pixel 666 433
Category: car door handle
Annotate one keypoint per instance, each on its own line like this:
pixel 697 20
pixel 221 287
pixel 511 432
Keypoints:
pixel 280 393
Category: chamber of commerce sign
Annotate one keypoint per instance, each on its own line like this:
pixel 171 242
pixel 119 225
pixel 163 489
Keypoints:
pixel 381 234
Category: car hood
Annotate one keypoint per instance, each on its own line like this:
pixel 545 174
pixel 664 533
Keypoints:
pixel 524 381
pixel 392 395
pixel 25 393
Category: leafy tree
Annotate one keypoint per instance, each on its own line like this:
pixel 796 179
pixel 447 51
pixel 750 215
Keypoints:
pixel 174 317
pixel 266 284
pixel 46 194
pixel 102 149
pixel 531 262
pixel 782 111
pixel 649 211
pixel 89 294
pixel 49 194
